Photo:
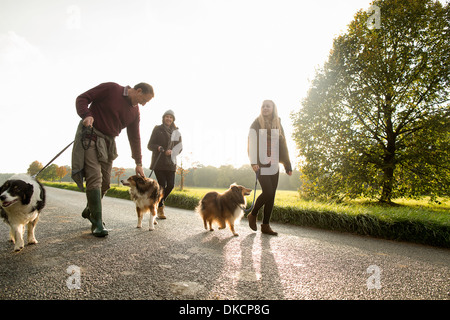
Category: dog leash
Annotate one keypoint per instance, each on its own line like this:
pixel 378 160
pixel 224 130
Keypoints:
pixel 34 176
pixel 83 136
pixel 254 193
pixel 157 159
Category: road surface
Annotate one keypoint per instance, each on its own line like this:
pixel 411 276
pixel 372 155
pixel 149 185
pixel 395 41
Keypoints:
pixel 181 260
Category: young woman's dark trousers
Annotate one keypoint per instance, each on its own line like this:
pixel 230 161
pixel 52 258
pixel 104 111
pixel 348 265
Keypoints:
pixel 269 184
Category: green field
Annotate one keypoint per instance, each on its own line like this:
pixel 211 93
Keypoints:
pixel 409 220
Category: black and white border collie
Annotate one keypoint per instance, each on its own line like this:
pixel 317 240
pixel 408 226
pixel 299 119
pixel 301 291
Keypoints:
pixel 21 200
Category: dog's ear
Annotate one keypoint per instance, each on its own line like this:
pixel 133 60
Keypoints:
pixel 142 179
pixel 236 188
pixel 27 194
pixel 237 193
pixel 139 179
pixel 4 187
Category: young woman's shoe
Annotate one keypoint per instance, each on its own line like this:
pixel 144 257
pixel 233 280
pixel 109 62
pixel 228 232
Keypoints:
pixel 265 228
pixel 252 221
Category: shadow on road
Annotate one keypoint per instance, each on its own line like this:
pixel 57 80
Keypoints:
pixel 259 277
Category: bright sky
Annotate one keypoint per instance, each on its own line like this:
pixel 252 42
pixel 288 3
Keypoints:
pixel 211 61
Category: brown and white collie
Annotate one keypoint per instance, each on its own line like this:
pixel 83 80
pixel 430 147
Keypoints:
pixel 146 194
pixel 224 207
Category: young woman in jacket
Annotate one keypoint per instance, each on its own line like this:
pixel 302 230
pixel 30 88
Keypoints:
pixel 163 140
pixel 267 148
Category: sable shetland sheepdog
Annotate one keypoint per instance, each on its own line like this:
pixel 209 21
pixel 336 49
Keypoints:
pixel 146 194
pixel 21 200
pixel 223 207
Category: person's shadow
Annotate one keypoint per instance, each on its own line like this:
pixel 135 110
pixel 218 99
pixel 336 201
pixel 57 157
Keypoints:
pixel 258 275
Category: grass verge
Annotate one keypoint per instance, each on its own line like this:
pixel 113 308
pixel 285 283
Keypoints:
pixel 409 220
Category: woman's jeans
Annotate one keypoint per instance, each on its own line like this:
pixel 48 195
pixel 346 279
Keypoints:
pixel 269 184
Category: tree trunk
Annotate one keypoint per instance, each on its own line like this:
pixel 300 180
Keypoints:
pixel 389 154
pixel 182 180
pixel 388 182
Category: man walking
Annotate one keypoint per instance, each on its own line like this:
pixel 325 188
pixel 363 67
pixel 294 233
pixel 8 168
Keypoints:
pixel 105 110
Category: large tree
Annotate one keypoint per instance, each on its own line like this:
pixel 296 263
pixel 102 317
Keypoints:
pixel 375 121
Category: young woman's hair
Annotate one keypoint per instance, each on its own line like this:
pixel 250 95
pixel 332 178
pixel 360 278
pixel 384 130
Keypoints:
pixel 274 123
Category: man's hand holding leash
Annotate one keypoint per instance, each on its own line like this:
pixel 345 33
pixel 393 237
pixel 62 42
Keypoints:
pixel 88 121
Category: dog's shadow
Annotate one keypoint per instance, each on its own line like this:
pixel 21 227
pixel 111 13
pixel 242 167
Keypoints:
pixel 213 240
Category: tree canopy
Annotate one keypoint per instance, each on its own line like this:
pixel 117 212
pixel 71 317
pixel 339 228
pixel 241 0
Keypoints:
pixel 375 121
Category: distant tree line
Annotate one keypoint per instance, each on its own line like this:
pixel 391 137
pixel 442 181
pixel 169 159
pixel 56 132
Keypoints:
pixel 198 176
pixel 222 177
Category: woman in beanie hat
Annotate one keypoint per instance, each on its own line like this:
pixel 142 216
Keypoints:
pixel 164 139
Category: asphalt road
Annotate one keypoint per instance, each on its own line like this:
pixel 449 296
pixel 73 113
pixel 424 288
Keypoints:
pixel 181 260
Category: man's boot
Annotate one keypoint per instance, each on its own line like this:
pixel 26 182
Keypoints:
pixel 86 214
pixel 94 197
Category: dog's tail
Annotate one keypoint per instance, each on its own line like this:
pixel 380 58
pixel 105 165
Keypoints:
pixel 208 201
pixel 200 207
